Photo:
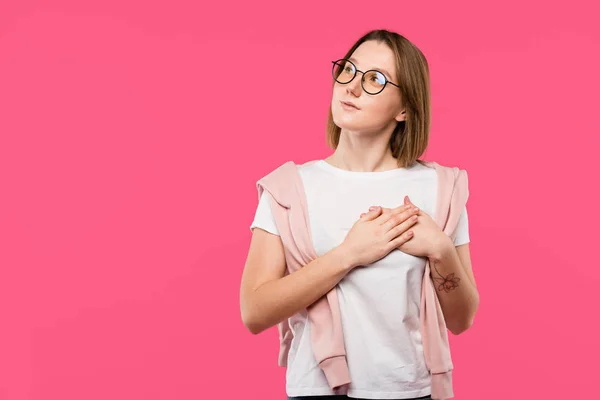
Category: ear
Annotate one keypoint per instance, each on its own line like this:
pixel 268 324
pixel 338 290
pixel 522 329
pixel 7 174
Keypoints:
pixel 401 116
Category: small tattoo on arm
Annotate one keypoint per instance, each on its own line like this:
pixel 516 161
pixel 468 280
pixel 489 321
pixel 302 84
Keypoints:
pixel 448 283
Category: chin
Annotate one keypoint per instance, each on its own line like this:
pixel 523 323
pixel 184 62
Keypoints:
pixel 345 120
pixel 348 122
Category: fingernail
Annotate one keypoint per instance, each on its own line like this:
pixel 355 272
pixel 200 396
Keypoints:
pixel 372 208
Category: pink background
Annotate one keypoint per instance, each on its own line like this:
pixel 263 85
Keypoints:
pixel 121 256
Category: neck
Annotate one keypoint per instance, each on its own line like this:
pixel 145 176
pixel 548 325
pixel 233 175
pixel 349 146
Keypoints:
pixel 363 152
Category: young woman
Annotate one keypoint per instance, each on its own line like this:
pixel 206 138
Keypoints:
pixel 370 206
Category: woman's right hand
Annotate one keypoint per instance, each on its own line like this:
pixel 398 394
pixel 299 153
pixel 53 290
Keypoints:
pixel 376 234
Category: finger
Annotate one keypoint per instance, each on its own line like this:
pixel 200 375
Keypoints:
pixel 385 212
pixel 367 213
pixel 408 201
pixel 388 212
pixel 386 217
pixel 399 229
pixel 402 208
pixel 373 213
pixel 400 217
pixel 400 240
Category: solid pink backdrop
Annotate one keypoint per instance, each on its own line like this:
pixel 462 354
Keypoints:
pixel 132 136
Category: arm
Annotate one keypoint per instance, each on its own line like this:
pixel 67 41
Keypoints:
pixel 268 296
pixel 455 284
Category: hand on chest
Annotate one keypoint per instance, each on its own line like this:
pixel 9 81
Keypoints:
pixel 334 207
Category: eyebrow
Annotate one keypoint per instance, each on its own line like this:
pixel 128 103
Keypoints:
pixel 378 69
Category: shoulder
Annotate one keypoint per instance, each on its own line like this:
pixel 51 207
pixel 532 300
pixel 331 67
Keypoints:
pixel 449 175
pixel 447 168
pixel 278 172
pixel 307 165
pixel 282 182
pixel 290 169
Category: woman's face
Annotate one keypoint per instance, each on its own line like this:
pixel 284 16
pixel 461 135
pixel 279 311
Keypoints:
pixel 375 112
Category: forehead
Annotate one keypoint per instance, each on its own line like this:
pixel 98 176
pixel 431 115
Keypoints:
pixel 375 55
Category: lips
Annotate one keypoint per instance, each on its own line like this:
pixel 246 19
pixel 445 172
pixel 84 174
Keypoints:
pixel 348 104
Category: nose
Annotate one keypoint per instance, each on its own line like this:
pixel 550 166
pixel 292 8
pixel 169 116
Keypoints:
pixel 354 86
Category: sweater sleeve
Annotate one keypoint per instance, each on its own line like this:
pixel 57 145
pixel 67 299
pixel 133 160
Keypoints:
pixel 263 217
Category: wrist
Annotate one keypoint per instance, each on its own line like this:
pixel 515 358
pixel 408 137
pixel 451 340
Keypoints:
pixel 344 257
pixel 442 247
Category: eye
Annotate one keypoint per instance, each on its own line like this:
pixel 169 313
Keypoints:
pixel 380 78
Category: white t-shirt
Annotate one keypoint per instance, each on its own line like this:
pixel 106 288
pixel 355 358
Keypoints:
pixel 379 303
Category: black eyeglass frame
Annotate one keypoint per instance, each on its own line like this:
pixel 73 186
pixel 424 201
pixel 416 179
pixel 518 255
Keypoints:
pixel 362 79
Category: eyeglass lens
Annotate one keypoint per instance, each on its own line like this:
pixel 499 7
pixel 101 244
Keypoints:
pixel 373 81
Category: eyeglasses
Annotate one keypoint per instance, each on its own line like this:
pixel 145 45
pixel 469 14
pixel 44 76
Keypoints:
pixel 372 82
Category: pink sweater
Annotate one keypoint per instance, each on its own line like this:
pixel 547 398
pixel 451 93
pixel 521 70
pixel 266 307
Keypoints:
pixel 288 204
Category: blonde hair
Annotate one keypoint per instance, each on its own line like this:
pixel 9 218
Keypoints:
pixel 410 137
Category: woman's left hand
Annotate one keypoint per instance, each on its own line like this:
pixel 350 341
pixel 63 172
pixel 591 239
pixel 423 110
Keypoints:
pixel 428 237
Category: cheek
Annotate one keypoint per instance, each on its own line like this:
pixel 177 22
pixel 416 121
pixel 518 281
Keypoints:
pixel 338 92
pixel 382 109
pixel 376 111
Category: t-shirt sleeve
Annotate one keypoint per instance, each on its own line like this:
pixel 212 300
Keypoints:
pixel 263 217
pixel 462 229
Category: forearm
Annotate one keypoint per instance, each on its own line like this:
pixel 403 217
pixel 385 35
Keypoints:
pixel 456 292
pixel 277 300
